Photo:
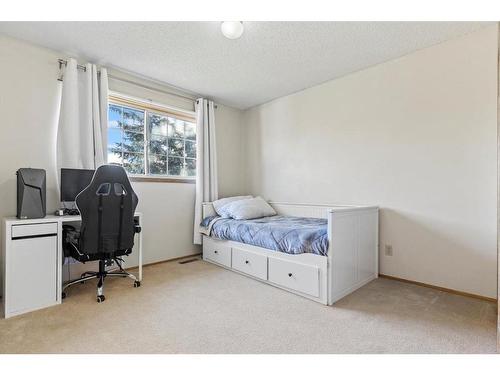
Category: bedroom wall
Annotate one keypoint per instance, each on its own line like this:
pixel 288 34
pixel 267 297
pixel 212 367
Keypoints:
pixel 416 136
pixel 29 103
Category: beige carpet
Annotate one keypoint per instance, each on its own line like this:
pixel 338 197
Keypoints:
pixel 201 308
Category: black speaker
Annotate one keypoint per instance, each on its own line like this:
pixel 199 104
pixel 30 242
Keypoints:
pixel 31 193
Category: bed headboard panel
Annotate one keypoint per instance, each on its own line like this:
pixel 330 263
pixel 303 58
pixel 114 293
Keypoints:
pixel 208 209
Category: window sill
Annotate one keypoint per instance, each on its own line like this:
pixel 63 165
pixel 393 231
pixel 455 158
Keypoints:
pixel 179 180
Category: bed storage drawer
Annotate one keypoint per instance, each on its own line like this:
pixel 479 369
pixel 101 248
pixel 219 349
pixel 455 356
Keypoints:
pixel 217 251
pixel 300 277
pixel 250 263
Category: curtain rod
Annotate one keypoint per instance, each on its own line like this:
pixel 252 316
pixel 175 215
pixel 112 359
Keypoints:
pixel 65 63
pixel 84 68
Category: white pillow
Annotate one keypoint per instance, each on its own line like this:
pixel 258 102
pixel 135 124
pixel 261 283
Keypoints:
pixel 249 209
pixel 221 203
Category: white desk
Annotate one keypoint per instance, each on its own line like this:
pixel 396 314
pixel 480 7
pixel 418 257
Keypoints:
pixel 32 261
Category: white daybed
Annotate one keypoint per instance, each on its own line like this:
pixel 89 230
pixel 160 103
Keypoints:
pixel 352 259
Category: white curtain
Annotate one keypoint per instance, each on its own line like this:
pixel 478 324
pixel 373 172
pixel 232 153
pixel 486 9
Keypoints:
pixel 206 162
pixel 83 120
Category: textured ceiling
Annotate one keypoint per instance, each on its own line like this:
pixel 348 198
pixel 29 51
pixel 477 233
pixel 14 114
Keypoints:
pixel 270 60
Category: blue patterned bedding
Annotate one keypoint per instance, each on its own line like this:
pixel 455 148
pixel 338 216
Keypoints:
pixel 288 234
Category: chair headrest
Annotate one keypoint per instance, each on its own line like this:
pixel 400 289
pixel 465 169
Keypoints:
pixel 108 179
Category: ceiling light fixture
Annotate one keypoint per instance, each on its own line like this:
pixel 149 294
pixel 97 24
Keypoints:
pixel 232 29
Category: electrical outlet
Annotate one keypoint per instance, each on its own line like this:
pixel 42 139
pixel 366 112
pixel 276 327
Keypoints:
pixel 388 250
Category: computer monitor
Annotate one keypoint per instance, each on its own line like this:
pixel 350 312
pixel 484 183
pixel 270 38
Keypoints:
pixel 73 181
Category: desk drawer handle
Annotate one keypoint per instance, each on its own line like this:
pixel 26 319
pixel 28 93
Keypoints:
pixel 246 262
pixel 33 236
pixel 216 252
pixel 290 274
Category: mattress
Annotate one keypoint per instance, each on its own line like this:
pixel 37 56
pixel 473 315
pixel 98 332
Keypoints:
pixel 287 234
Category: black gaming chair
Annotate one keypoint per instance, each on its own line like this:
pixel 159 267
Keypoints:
pixel 107 207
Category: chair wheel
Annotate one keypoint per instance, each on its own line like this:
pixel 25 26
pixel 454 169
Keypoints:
pixel 100 299
pixel 137 284
pixel 63 295
pixel 82 282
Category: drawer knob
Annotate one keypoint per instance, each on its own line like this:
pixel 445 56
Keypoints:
pixel 216 252
pixel 290 274
pixel 246 262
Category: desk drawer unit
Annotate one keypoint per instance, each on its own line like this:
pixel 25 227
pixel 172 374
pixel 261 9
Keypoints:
pixel 31 230
pixel 31 274
pixel 250 263
pixel 217 251
pixel 300 277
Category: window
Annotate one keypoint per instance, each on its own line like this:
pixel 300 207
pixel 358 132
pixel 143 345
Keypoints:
pixel 151 140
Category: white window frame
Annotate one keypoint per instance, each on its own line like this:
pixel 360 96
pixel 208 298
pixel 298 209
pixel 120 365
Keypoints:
pixel 159 108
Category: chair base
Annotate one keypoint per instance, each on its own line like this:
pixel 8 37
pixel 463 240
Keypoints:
pixel 100 275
